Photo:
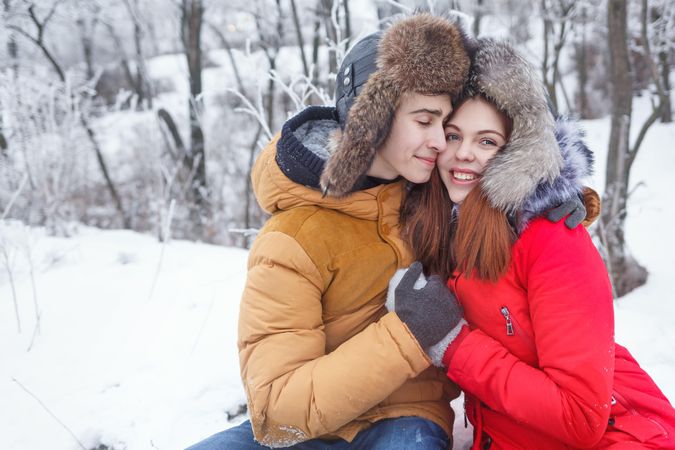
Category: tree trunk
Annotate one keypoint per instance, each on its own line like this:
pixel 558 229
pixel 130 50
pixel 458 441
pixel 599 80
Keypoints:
pixel 12 51
pixel 316 42
pixel 548 30
pixel 192 19
pixel 39 42
pixel 301 40
pixel 142 81
pixel 326 7
pixel 86 34
pixel 384 10
pixel 348 22
pixel 626 274
pixel 666 108
pixel 581 60
pixel 477 16
pixel 230 56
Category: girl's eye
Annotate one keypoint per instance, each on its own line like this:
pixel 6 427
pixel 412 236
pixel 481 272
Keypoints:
pixel 487 142
pixel 451 137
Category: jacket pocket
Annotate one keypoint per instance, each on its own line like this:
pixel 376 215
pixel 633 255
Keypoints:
pixel 513 328
pixel 624 417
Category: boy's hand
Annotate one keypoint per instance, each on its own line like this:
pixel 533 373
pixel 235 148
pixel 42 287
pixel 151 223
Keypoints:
pixel 430 312
pixel 573 208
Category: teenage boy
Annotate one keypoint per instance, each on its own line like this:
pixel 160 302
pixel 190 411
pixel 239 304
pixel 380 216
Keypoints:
pixel 323 363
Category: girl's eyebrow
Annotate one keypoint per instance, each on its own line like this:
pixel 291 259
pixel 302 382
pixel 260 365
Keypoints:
pixel 493 132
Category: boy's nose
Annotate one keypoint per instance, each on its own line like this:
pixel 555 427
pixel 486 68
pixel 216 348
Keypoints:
pixel 437 139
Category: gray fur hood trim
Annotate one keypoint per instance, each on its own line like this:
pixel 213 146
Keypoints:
pixel 577 165
pixel 532 155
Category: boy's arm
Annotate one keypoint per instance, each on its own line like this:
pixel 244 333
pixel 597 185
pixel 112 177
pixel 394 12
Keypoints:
pixel 296 391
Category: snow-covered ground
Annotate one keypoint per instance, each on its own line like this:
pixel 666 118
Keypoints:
pixel 137 340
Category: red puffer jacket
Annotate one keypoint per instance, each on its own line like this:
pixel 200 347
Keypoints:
pixel 539 365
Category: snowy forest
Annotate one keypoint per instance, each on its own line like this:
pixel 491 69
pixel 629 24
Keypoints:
pixel 128 130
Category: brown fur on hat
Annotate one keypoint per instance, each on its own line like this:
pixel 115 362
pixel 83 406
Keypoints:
pixel 423 54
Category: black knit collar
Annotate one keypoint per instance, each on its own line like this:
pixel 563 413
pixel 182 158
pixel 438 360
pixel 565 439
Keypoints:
pixel 300 164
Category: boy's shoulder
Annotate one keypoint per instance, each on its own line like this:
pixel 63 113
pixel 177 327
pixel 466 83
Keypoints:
pixel 309 219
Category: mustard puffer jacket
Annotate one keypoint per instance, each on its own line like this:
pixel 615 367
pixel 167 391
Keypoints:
pixel 319 354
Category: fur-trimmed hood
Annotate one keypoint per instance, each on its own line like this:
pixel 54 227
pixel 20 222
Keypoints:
pixel 545 159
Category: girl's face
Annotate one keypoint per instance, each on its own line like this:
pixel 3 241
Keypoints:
pixel 415 140
pixel 474 134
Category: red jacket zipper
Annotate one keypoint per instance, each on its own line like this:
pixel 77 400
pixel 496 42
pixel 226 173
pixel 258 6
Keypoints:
pixel 512 325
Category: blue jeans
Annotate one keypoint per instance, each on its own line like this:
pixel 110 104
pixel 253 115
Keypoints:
pixel 390 434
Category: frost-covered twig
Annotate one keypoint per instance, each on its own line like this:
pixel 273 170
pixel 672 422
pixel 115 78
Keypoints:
pixel 36 307
pixel 306 90
pixel 247 232
pixel 8 265
pixel 14 197
pixel 166 232
pixel 401 6
pixel 25 389
pixel 203 325
pixel 258 113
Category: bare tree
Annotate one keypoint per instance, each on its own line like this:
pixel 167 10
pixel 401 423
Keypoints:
pixel 348 23
pixel 316 43
pixel 141 82
pixel 86 21
pixel 657 27
pixel 626 273
pixel 557 16
pixel 12 53
pixel 38 40
pixel 332 28
pixel 647 53
pixel 478 13
pixel 191 28
pixel 301 40
pixel 581 63
pixel 270 34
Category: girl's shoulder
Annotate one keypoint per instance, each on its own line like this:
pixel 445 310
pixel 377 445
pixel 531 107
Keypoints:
pixel 553 240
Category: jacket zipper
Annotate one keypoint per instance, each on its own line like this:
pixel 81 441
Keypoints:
pixel 511 327
pixel 509 322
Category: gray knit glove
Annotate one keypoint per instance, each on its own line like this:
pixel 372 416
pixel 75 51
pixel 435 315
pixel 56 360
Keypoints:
pixel 573 207
pixel 430 312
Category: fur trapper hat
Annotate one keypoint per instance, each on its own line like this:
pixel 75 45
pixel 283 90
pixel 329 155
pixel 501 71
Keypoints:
pixel 423 54
pixel 532 156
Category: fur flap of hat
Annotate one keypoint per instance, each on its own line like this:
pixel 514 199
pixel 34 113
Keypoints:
pixel 423 54
pixel 532 155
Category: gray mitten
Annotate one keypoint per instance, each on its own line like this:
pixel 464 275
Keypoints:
pixel 430 312
pixel 573 207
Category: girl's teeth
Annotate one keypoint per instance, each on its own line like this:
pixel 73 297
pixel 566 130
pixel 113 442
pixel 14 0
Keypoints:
pixel 463 176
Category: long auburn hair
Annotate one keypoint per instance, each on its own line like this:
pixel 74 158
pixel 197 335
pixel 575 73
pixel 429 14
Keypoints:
pixel 477 242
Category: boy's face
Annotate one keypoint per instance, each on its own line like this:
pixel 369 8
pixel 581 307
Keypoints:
pixel 415 139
